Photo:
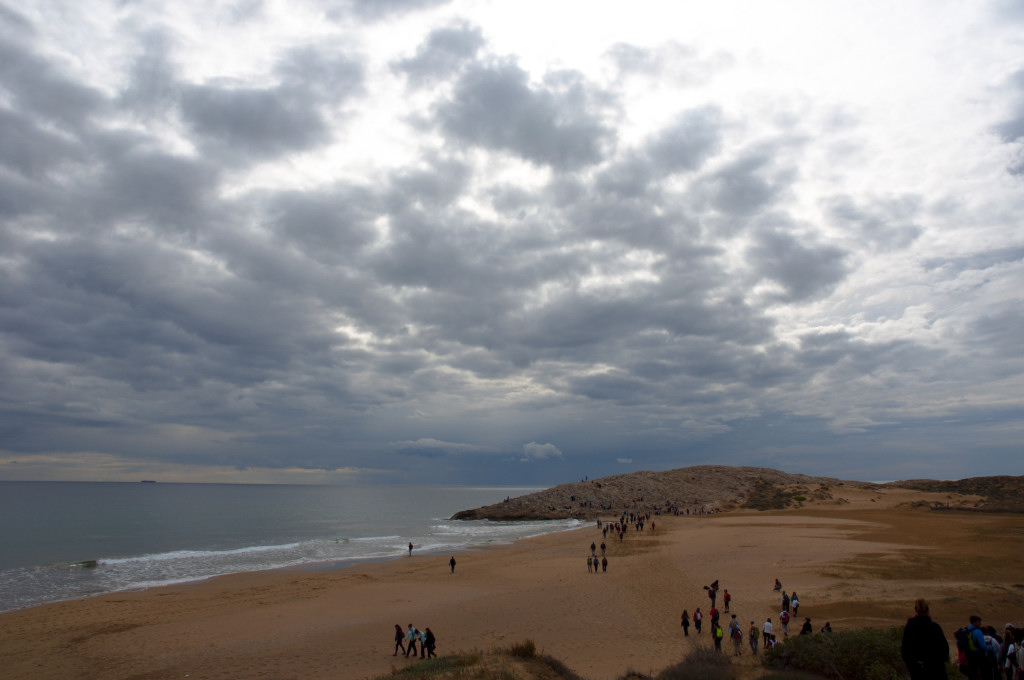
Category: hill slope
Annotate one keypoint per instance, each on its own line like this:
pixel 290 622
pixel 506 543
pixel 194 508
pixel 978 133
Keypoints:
pixel 719 487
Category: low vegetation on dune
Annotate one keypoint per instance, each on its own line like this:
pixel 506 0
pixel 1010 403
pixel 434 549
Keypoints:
pixel 520 661
pixel 864 654
pixel 722 487
pixel 998 494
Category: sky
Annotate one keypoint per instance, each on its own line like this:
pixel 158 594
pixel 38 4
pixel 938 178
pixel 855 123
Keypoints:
pixel 482 242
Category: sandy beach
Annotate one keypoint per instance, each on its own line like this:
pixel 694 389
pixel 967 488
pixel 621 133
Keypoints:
pixel 856 562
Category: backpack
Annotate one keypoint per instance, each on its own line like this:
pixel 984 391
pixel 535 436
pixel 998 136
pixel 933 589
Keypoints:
pixel 736 634
pixel 754 633
pixel 961 639
pixel 784 617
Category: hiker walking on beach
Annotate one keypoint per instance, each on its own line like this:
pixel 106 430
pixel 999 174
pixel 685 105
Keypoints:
pixel 717 634
pixel 399 637
pixel 604 564
pixel 410 547
pixel 785 601
pixel 685 623
pixel 410 639
pixel 451 563
pixel 784 620
pixel 924 648
pixel 726 599
pixel 736 635
pixel 430 642
pixel 794 603
pixel 698 619
pixel 590 563
pixel 766 631
pixel 752 635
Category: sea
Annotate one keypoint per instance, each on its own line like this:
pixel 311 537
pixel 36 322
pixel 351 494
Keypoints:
pixel 70 540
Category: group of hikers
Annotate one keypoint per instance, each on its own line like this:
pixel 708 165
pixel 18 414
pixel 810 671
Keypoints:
pixel 406 642
pixel 981 653
pixel 594 563
pixel 756 637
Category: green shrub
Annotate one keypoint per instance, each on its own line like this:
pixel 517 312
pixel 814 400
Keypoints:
pixel 767 496
pixel 444 666
pixel 865 654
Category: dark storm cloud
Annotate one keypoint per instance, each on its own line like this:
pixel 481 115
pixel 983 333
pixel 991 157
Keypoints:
pixel 30 150
pixel 261 122
pixel 167 189
pixel 326 225
pixel 846 357
pixel 804 271
pixel 241 121
pixel 689 141
pixel 886 224
pixel 555 123
pixel 747 185
pixel 442 54
pixel 998 332
pixel 40 89
pixel 19 196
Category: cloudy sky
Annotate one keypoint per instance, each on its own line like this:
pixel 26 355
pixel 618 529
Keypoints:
pixel 510 242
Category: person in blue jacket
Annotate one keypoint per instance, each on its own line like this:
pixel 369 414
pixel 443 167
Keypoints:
pixel 980 655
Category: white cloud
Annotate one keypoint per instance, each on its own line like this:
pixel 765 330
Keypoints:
pixel 535 451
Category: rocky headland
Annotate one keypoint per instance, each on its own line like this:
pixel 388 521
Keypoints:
pixel 710 488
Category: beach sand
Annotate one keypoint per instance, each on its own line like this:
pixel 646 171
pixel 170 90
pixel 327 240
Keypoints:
pixel 856 562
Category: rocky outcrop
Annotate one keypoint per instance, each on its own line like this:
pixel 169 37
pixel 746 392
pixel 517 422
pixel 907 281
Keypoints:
pixel 704 487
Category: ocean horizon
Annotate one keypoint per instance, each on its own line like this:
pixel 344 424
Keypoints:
pixel 69 540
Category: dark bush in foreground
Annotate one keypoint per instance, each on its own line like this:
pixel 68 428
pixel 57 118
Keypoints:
pixel 520 660
pixel 701 663
pixel 525 649
pixel 866 654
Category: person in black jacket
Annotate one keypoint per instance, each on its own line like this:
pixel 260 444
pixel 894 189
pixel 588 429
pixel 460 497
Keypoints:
pixel 924 648
pixel 399 638
pixel 430 643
